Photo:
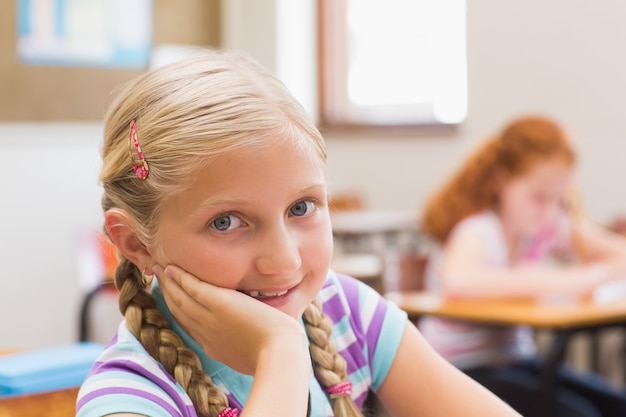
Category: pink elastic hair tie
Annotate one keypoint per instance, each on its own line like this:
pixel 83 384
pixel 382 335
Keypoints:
pixel 229 412
pixel 342 389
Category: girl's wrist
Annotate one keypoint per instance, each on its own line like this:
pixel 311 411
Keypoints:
pixel 292 348
pixel 281 378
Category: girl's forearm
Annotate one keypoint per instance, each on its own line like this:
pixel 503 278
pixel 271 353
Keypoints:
pixel 281 382
pixel 525 281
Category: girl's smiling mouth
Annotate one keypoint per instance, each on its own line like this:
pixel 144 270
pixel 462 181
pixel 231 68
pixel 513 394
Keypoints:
pixel 259 294
pixel 272 296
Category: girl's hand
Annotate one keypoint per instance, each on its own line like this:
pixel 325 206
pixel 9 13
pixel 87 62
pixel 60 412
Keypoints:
pixel 246 335
pixel 232 328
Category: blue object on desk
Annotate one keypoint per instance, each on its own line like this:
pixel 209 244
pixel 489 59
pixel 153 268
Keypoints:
pixel 47 369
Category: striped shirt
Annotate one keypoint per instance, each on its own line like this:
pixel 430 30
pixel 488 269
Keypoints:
pixel 125 378
pixel 468 345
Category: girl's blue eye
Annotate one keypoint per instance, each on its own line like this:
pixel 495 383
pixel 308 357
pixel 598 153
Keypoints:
pixel 226 222
pixel 302 208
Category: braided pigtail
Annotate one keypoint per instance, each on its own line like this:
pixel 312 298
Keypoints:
pixel 150 326
pixel 328 365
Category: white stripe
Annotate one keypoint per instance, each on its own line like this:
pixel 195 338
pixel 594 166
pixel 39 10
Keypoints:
pixel 361 387
pixel 344 302
pixel 338 289
pixel 342 341
pixel 122 332
pixel 368 309
pixel 327 293
pixel 140 358
pixel 223 388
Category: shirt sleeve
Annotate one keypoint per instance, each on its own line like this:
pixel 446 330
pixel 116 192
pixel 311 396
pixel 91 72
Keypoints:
pixel 385 341
pixel 380 325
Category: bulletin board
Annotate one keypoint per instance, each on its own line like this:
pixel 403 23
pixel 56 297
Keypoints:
pixel 46 91
pixel 101 33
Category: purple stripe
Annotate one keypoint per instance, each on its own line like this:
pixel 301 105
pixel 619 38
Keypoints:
pixel 354 354
pixel 352 287
pixel 126 365
pixel 136 393
pixel 233 403
pixel 334 308
pixel 376 325
pixel 361 399
pixel 94 367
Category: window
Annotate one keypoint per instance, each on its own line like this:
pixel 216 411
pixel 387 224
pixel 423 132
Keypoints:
pixel 393 62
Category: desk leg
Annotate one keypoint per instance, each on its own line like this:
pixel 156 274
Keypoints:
pixel 623 353
pixel 594 341
pixel 553 359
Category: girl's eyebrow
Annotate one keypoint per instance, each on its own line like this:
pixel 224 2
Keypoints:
pixel 213 202
pixel 312 187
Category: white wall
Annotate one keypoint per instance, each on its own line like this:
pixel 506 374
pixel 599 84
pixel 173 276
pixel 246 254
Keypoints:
pixel 563 57
pixel 49 196
pixel 560 57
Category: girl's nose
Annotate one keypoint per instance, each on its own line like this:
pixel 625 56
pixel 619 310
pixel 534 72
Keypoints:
pixel 278 253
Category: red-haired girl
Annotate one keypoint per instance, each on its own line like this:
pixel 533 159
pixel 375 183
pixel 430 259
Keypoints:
pixel 507 228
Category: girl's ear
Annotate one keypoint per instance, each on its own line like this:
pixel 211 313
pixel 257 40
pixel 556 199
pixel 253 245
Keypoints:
pixel 124 236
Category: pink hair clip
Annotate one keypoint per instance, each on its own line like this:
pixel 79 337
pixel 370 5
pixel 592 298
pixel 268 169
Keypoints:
pixel 342 389
pixel 141 167
pixel 228 412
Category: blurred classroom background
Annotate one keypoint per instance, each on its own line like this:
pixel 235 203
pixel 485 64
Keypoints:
pixel 561 58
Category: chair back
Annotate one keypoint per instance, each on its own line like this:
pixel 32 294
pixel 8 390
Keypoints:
pixel 404 271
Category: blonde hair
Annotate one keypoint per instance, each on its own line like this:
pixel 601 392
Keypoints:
pixel 474 187
pixel 187 113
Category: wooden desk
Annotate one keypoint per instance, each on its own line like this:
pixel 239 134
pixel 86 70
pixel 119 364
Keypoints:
pixel 61 403
pixel 564 319
pixel 543 315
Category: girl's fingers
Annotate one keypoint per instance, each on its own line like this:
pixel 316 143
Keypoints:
pixel 196 289
pixel 213 298
pixel 179 302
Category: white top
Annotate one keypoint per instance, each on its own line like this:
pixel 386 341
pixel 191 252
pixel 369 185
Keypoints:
pixel 466 344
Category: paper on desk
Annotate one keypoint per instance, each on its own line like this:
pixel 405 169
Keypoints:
pixel 610 291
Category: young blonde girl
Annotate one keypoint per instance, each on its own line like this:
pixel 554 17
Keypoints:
pixel 215 196
pixel 507 227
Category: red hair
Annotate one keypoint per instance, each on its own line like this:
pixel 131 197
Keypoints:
pixel 474 187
